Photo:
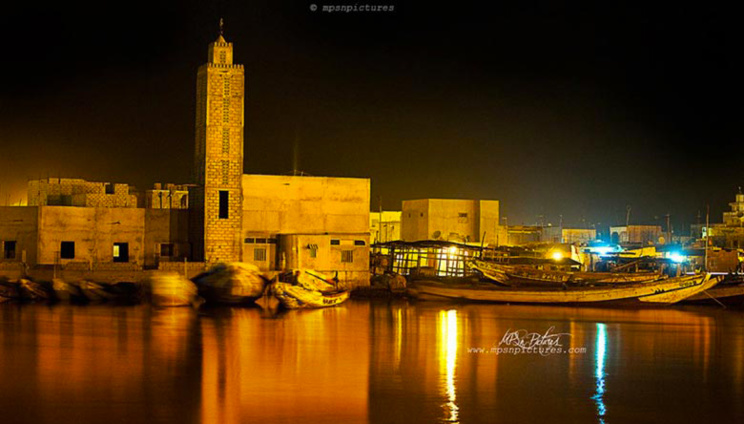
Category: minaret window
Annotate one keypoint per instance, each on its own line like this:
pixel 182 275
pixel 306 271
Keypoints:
pixel 224 204
pixel 225 172
pixel 225 140
pixel 223 57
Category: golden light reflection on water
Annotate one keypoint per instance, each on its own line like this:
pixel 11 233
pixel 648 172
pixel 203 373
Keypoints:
pixel 366 362
pixel 448 343
pixel 309 364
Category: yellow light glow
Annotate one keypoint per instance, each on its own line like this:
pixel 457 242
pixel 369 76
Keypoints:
pixel 557 255
pixel 448 361
pixel 452 250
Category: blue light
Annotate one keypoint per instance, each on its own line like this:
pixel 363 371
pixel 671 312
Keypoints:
pixel 677 257
pixel 599 372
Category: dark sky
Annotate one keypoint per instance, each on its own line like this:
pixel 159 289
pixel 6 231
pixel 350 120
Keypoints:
pixel 550 108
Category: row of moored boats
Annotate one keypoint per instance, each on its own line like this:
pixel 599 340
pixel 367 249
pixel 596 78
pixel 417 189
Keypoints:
pixel 526 284
pixel 230 284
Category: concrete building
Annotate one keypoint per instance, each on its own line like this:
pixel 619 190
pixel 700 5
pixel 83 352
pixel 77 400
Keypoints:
pixel 576 236
pixel 276 222
pixel 384 226
pixel 78 192
pixel 518 235
pixel 321 223
pixel 636 234
pixel 167 196
pixel 729 234
pixel 451 220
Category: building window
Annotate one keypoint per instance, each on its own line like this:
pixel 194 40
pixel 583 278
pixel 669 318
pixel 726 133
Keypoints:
pixel 121 252
pixel 10 249
pixel 166 249
pixel 259 254
pixel 224 204
pixel 225 172
pixel 250 240
pixel 335 242
pixel 223 56
pixel 359 243
pixel 225 141
pixel 226 110
pixel 462 215
pixel 109 188
pixel 347 256
pixel 67 250
pixel 313 253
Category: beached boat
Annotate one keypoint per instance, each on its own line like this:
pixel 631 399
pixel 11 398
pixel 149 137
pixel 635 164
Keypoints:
pixel 507 274
pixel 95 292
pixel 66 292
pixel 307 289
pixel 728 293
pixel 31 290
pixel 233 284
pixel 297 297
pixel 166 289
pixel 659 291
pixel 9 291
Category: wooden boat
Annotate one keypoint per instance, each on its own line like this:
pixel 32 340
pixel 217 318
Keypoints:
pixel 659 292
pixel 506 274
pixel 232 284
pixel 721 292
pixel 294 296
pixel 95 292
pixel 307 289
pixel 674 296
pixel 66 292
pixel 165 289
pixel 9 291
pixel 31 290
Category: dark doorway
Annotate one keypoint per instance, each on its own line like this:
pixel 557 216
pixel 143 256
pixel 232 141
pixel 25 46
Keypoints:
pixel 121 252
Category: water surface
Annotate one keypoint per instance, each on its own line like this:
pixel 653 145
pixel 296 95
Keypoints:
pixel 375 362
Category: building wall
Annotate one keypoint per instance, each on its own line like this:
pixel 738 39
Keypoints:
pixel 260 249
pixel 518 235
pixel 78 192
pixel 644 234
pixel 451 220
pixel 331 256
pixel 167 196
pixel 166 226
pixel 385 226
pixel 219 155
pixel 19 224
pixel 281 204
pixel 578 235
pixel 94 231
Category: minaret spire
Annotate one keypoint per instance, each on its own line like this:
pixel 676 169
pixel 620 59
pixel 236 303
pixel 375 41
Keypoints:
pixel 222 27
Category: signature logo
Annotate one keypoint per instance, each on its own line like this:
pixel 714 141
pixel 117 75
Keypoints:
pixel 526 340
pixel 516 342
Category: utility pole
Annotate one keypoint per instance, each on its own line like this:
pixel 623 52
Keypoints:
pixel 627 217
pixel 669 229
pixel 707 232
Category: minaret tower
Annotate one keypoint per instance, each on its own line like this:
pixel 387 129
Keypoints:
pixel 217 199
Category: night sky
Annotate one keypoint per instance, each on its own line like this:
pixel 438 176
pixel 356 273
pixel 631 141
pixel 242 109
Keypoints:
pixel 553 109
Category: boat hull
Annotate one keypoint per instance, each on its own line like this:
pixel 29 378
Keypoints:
pixel 491 293
pixel 297 297
pixel 507 274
